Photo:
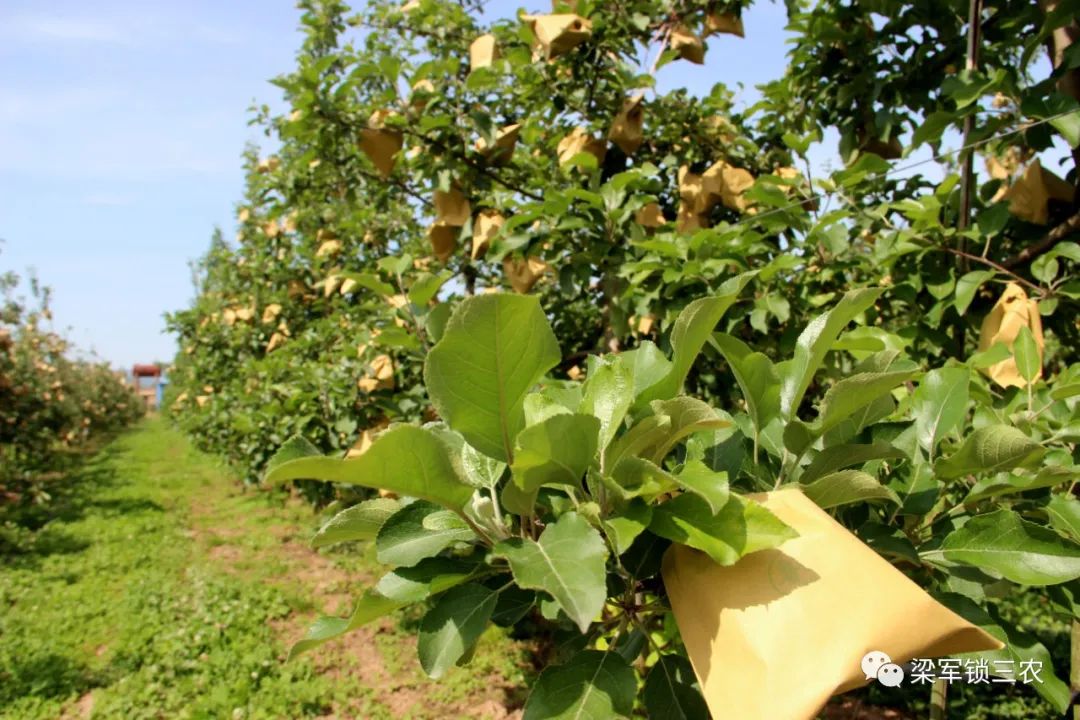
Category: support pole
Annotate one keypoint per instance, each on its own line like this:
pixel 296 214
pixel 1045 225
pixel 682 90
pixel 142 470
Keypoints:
pixel 967 175
pixel 939 699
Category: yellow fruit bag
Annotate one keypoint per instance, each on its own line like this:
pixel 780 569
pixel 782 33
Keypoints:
pixel 485 228
pixel 724 23
pixel 1012 311
pixel 502 150
pixel 452 208
pixel 650 216
pixel 483 52
pixel 775 635
pixel 626 130
pixel 381 144
pixel 443 239
pixel 524 273
pixel 688 45
pixel 559 33
pixel 578 141
pixel 1029 197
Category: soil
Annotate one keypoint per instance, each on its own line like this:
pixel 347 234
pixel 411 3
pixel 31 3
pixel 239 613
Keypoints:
pixel 332 589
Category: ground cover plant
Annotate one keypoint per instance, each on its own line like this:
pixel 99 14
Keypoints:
pixel 697 313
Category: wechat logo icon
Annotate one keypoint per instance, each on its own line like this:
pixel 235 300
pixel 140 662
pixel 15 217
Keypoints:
pixel 878 665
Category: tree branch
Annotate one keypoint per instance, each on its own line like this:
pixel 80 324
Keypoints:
pixel 996 266
pixel 477 167
pixel 1052 238
pixel 400 184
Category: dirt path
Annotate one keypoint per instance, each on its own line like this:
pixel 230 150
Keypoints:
pixel 382 654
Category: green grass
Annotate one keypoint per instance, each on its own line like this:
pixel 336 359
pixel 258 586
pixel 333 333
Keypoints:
pixel 153 587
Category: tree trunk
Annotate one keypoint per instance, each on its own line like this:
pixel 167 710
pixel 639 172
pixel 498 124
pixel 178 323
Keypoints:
pixel 1069 84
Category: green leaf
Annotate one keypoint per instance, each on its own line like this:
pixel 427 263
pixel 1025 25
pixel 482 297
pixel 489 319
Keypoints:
pixel 396 337
pixel 419 531
pixel 699 478
pixel 669 692
pixel 294 448
pixel 867 164
pixel 647 365
pixel 967 286
pixel 967 86
pixel 932 127
pixel 480 470
pixel 846 487
pixel 1065 391
pixel 539 406
pixel 428 577
pixel 1064 512
pixel 514 500
pixel 593 685
pixel 608 394
pixel 797 437
pixel 1026 352
pixel 1008 484
pixel 395 590
pixel 494 349
pixel 720 450
pixel 405 460
pixel 555 451
pixel 623 527
pixel 990 449
pixel 426 287
pixel 637 477
pixel 1020 647
pixel 370 281
pixel 991 356
pixel 1045 268
pixel 451 628
pixel 855 392
pixel 756 375
pixel 482 78
pixel 815 341
pixel 360 522
pixel 864 417
pixel 630 645
pixel 370 607
pixel 888 540
pixel 688 416
pixel 836 457
pixel 567 562
pixel 692 328
pixel 741 527
pixel 939 404
pixel 1020 551
pixel 647 433
pixel 1069 127
pixel 513 604
pixel 436 320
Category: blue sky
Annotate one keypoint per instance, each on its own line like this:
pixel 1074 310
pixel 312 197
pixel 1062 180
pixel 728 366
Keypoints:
pixel 121 130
